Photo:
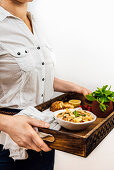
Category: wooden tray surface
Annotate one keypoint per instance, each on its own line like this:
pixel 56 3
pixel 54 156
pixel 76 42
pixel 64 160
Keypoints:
pixel 80 143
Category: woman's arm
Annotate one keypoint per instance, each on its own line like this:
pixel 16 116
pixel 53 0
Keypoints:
pixel 19 128
pixel 66 86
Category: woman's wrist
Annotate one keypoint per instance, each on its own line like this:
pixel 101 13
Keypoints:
pixel 5 122
pixel 77 88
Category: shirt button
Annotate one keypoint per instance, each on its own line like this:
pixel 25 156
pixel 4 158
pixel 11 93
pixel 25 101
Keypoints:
pixel 42 63
pixel 43 79
pixel 18 53
pixel 42 95
pixel 38 48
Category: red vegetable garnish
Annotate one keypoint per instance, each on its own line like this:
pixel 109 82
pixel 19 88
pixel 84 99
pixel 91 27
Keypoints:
pixel 86 106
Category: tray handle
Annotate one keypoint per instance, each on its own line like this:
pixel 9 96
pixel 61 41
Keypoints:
pixel 49 137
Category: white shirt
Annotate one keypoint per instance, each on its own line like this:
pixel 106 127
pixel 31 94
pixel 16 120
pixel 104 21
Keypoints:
pixel 26 63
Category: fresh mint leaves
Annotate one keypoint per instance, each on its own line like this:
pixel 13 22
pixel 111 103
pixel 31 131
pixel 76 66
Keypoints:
pixel 76 114
pixel 102 95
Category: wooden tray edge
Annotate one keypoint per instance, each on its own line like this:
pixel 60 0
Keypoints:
pixel 99 134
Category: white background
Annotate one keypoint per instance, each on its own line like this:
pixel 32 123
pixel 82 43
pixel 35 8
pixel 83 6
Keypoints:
pixel 82 35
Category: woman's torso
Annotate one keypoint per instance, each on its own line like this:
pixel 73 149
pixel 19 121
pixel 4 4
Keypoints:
pixel 26 64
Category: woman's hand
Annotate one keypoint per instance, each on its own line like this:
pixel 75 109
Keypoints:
pixel 85 91
pixel 81 90
pixel 20 130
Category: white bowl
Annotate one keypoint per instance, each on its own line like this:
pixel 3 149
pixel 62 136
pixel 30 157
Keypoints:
pixel 72 125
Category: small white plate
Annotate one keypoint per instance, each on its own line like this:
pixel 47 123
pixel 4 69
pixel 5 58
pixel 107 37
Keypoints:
pixel 72 125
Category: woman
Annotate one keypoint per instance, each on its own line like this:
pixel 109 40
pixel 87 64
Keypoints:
pixel 26 78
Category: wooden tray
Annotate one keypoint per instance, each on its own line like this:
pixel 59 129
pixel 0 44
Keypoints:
pixel 83 142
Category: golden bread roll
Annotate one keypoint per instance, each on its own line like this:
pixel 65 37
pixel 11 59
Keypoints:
pixel 58 105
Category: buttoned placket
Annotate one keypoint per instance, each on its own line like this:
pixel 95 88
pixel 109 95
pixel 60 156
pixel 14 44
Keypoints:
pixel 41 99
pixel 38 48
pixel 42 81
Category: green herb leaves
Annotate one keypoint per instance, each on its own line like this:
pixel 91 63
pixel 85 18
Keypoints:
pixel 103 107
pixel 76 114
pixel 102 95
pixel 90 97
pixel 111 98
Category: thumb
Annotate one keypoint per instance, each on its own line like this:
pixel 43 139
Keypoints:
pixel 38 123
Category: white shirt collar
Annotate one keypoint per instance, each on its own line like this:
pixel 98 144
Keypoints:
pixel 4 14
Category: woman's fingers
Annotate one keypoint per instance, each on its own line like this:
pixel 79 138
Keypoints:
pixel 38 123
pixel 89 91
pixel 35 142
pixel 39 142
pixel 86 91
pixel 33 147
